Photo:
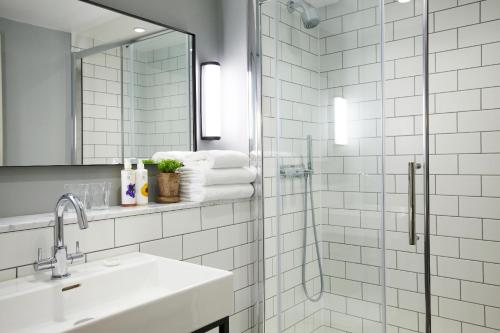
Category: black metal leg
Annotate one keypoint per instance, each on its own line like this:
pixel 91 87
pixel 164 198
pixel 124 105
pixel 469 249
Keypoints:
pixel 224 327
pixel 222 324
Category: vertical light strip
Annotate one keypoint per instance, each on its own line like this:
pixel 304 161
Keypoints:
pixel 210 101
pixel 341 121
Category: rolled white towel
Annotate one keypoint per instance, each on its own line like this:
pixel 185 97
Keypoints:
pixel 182 156
pixel 218 159
pixel 200 193
pixel 206 176
pixel 213 159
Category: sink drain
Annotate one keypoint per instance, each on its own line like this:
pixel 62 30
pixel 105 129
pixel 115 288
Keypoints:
pixel 81 321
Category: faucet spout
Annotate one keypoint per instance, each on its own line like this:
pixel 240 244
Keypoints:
pixel 58 262
pixel 81 217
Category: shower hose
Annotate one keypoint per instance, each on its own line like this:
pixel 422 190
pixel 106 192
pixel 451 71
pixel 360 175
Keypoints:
pixel 316 243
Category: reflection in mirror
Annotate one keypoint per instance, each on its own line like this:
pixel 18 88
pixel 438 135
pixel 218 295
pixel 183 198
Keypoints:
pixel 150 78
pixel 86 85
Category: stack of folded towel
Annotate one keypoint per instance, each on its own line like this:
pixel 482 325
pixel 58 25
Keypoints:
pixel 213 174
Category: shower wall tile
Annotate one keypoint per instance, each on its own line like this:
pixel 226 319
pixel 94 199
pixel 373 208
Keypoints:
pixel 458 101
pixel 481 77
pixel 490 98
pixel 457 17
pixel 479 34
pixel 491 54
pixel 479 121
pixel 482 164
pixel 458 59
pixel 464 162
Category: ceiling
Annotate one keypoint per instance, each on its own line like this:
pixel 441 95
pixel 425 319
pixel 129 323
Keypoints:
pixel 76 17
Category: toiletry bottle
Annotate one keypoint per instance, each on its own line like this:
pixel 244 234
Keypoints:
pixel 128 185
pixel 141 185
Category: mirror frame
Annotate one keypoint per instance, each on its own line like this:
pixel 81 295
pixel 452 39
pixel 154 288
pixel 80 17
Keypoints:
pixel 77 126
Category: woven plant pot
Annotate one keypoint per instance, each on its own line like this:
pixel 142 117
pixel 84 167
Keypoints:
pixel 168 185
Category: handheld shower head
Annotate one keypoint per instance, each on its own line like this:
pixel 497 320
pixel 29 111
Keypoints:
pixel 308 14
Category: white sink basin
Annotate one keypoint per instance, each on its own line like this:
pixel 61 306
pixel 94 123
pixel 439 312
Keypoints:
pixel 144 293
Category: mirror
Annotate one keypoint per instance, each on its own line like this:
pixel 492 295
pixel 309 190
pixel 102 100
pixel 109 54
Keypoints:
pixel 86 85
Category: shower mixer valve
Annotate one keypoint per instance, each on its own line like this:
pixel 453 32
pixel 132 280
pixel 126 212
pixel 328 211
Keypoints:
pixel 294 170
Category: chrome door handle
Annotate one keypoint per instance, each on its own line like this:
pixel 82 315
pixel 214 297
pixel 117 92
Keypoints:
pixel 412 166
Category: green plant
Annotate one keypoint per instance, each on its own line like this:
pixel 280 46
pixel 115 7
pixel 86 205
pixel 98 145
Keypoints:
pixel 148 162
pixel 169 166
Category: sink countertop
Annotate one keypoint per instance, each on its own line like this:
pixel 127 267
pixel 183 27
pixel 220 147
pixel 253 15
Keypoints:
pixel 25 222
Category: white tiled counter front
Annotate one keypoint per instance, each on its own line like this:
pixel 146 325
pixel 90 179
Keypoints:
pixel 216 234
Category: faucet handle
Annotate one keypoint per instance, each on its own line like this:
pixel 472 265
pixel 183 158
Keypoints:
pixel 77 254
pixel 43 263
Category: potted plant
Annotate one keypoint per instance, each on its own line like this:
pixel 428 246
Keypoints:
pixel 168 181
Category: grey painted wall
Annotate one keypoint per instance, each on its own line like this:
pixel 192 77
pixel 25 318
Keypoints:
pixel 234 55
pixel 31 190
pixel 36 94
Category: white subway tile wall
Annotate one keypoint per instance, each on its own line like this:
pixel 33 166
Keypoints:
pixel 160 91
pixel 175 234
pixel 353 248
pixel 101 105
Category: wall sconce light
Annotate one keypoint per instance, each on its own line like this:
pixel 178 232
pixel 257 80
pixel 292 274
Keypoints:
pixel 341 122
pixel 210 109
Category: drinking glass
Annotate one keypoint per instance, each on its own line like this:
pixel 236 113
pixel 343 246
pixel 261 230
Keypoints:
pixel 81 191
pixel 99 195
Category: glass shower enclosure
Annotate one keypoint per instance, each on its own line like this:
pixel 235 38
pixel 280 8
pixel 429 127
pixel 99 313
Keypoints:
pixel 381 165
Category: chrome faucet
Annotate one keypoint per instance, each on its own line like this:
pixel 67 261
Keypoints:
pixel 60 256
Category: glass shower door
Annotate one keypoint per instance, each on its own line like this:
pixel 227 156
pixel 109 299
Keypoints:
pixel 323 82
pixel 405 164
pixel 359 97
pixel 292 177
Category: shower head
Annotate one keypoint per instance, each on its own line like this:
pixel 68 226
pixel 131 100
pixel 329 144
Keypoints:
pixel 308 13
